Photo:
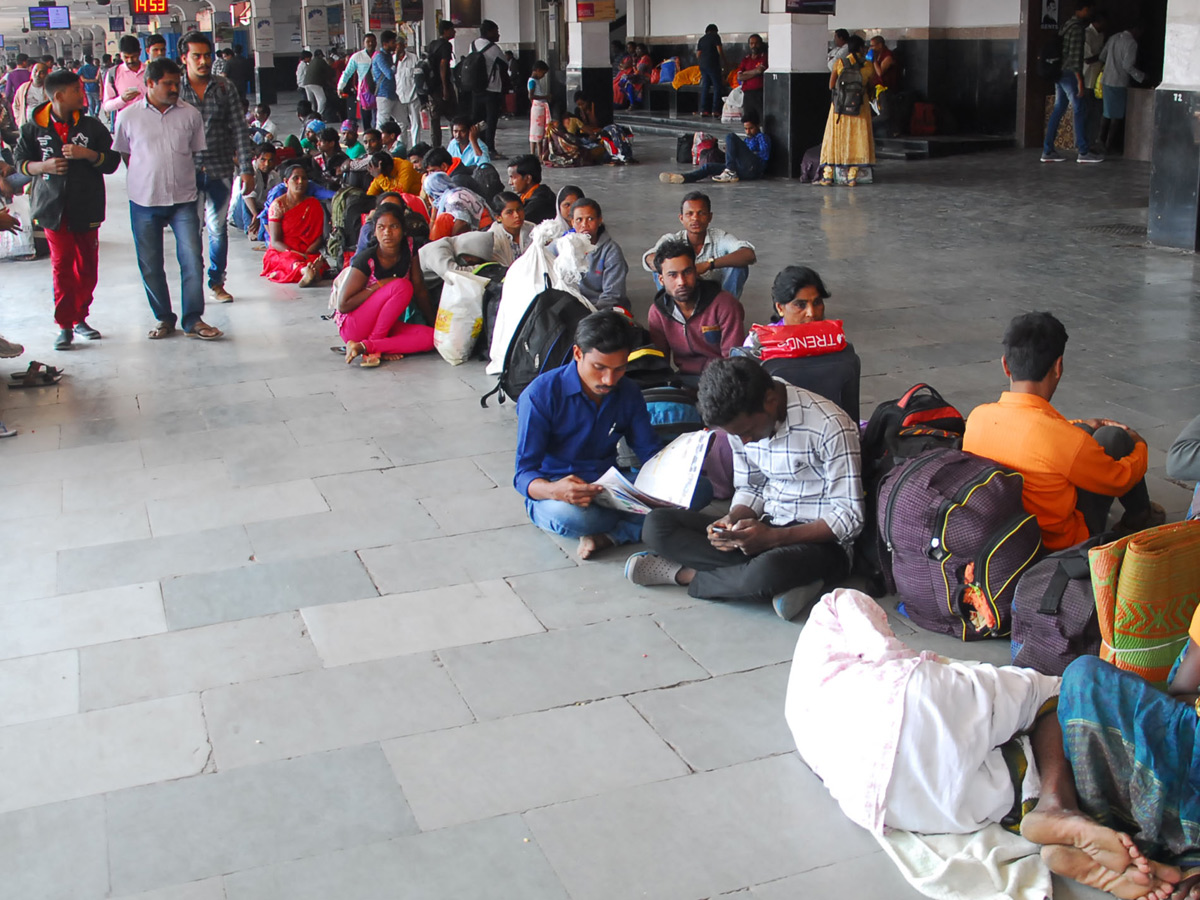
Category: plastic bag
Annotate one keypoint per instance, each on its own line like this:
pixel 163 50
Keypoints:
pixel 459 316
pixel 19 244
pixel 792 341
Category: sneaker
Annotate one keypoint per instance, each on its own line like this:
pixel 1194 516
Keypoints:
pixel 726 177
pixel 87 332
pixel 8 349
pixel 791 603
pixel 64 340
pixel 1053 156
pixel 1090 157
pixel 220 295
pixel 5 431
pixel 671 178
pixel 648 568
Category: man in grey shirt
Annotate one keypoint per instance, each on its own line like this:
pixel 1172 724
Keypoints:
pixel 1183 461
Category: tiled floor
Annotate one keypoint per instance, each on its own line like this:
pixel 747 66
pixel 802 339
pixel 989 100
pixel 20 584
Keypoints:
pixel 273 627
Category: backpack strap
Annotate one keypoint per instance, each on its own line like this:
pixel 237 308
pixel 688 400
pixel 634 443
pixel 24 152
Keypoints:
pixel 1069 569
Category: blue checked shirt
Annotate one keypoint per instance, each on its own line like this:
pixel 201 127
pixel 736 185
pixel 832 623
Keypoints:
pixel 225 128
pixel 808 470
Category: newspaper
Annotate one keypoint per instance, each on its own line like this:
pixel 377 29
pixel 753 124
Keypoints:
pixel 668 479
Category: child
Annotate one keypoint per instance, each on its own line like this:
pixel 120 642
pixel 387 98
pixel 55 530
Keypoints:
pixel 262 129
pixel 68 154
pixel 539 107
pixel 510 231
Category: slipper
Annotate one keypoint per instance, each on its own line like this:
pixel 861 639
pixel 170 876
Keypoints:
pixel 204 332
pixel 32 377
pixel 160 331
pixel 371 360
pixel 32 370
pixel 341 349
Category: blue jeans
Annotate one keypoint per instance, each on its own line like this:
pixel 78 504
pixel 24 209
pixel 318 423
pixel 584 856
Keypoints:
pixel 710 80
pixel 1067 91
pixel 739 159
pixel 239 214
pixel 572 521
pixel 213 204
pixel 148 223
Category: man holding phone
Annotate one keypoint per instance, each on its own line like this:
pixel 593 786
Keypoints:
pixel 797 506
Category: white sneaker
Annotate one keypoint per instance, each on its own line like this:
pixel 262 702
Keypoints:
pixel 726 177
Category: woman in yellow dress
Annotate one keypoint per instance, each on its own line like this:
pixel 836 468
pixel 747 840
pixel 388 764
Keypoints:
pixel 848 150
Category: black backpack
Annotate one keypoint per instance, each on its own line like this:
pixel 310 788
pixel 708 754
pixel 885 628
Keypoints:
pixel 495 273
pixel 475 70
pixel 849 90
pixel 1050 60
pixel 542 342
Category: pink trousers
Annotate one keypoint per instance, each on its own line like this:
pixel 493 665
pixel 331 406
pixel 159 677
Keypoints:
pixel 379 322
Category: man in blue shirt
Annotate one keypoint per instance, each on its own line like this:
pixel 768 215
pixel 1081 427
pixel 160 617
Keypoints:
pixel 570 421
pixel 383 70
pixel 745 160
pixel 465 143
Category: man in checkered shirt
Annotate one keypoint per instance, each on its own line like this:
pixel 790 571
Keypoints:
pixel 797 506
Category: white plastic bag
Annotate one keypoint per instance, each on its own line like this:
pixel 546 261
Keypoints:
pixel 459 317
pixel 734 104
pixel 19 244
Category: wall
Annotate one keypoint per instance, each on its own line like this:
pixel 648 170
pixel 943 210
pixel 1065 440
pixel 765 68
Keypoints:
pixel 677 17
pixel 856 14
pixel 974 13
pixel 1182 63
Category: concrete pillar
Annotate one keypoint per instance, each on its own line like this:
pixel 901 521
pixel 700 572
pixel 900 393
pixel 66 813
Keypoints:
pixel 796 90
pixel 1174 217
pixel 262 38
pixel 588 66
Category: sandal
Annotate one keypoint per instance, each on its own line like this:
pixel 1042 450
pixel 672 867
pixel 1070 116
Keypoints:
pixel 371 360
pixel 37 375
pixel 161 330
pixel 204 332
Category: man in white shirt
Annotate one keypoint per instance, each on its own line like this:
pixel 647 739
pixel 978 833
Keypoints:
pixel 486 104
pixel 156 136
pixel 840 49
pixel 407 103
pixel 359 64
pixel 720 256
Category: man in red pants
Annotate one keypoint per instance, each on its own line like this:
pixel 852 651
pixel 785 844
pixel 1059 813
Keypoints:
pixel 68 154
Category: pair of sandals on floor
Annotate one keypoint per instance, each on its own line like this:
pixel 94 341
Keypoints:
pixel 200 330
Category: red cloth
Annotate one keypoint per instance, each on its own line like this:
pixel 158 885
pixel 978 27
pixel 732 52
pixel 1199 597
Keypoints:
pixel 748 63
pixel 74 260
pixel 792 341
pixel 891 78
pixel 442 226
pixel 302 225
pixel 63 129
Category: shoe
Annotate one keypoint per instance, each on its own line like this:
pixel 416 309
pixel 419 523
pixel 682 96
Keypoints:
pixel 671 178
pixel 1053 156
pixel 5 431
pixel 220 295
pixel 64 340
pixel 87 332
pixel 1090 157
pixel 1151 518
pixel 8 349
pixel 726 177
pixel 791 603
pixel 648 568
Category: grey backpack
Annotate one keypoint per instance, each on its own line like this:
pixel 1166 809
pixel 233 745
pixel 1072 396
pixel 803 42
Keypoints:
pixel 849 90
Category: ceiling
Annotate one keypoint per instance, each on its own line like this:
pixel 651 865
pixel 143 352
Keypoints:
pixel 83 12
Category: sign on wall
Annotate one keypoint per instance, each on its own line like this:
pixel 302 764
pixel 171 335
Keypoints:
pixel 116 24
pixel 1050 15
pixel 810 7
pixel 597 10
pixel 264 36
pixel 316 27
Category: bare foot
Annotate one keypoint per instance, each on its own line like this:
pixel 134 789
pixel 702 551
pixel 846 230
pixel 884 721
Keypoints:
pixel 354 349
pixel 1080 866
pixel 1189 886
pixel 593 543
pixel 1113 850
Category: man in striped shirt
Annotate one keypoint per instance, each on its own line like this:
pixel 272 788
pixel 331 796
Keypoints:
pixel 798 502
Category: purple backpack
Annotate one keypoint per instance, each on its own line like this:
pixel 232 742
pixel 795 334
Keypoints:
pixel 959 538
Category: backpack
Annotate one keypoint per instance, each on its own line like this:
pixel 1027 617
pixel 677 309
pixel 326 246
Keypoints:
pixel 849 90
pixel 475 70
pixel 900 429
pixel 1054 617
pixel 422 77
pixel 1050 59
pixel 543 341
pixel 959 539
pixel 683 149
pixel 670 403
pixel 495 273
pixel 337 244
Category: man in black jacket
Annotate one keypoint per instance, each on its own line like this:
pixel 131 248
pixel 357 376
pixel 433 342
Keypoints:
pixel 68 154
pixel 525 177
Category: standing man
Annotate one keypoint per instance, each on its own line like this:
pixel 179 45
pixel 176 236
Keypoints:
pixel 486 103
pixel 840 48
pixel 383 73
pixel 17 77
pixel 1069 89
pixel 720 256
pixel 239 69
pixel 407 103
pixel 227 136
pixel 31 94
pixel 127 80
pixel 156 47
pixel 750 75
pixel 157 137
pixel 442 100
pixel 89 74
pixel 711 52
pixel 357 68
pixel 68 154
pixel 316 75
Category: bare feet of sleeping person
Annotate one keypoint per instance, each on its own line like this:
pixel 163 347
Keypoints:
pixel 1113 850
pixel 1128 885
pixel 591 544
pixel 1189 886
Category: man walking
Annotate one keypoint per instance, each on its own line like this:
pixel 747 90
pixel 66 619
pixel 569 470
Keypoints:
pixel 157 137
pixel 68 154
pixel 126 82
pixel 383 73
pixel 1069 89
pixel 226 136
pixel 486 103
pixel 357 68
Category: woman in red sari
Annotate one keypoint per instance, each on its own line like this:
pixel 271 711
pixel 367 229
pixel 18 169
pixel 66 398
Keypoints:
pixel 296 232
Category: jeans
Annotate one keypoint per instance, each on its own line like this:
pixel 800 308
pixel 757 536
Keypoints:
pixel 239 214
pixel 710 82
pixel 213 204
pixel 486 107
pixel 1118 444
pixel 573 521
pixel 148 223
pixel 739 159
pixel 1067 91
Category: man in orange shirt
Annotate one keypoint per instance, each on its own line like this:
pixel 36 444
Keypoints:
pixel 1072 470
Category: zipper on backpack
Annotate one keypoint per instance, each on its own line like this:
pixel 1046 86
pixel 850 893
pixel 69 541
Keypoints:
pixel 900 480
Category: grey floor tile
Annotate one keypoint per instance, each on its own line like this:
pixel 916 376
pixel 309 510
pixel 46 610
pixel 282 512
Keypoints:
pixel 52 464
pixel 346 529
pixel 130 562
pixel 434 479
pixel 492 860
pixel 725 720
pixel 54 852
pixel 731 637
pixel 382 627
pixel 261 588
pixel 672 840
pixel 251 467
pixel 64 531
pixel 498 466
pixel 206 889
pixel 873 877
pixel 481 510
pixel 182 662
pixel 96 752
pixel 168 834
pixel 479 556
pixel 39 687
pixel 86 494
pixel 560 667
pixel 130 427
pixel 265 441
pixel 272 410
pixel 28 577
pixel 76 620
pixel 450 441
pixel 42 498
pixel 522 762
pixel 326 709
pixel 218 508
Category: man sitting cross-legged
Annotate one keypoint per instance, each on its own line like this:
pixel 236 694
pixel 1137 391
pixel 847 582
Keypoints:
pixel 797 506
pixel 570 421
pixel 720 257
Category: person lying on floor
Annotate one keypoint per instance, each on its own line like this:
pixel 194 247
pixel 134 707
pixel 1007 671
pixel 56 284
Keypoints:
pixel 745 160
pixel 720 257
pixel 797 506
pixel 569 422
pixel 909 740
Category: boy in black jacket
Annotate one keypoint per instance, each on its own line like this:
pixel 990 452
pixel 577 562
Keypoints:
pixel 68 154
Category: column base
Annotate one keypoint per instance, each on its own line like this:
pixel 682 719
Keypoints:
pixel 795 107
pixel 596 82
pixel 1174 218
